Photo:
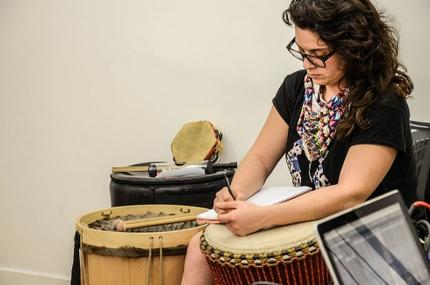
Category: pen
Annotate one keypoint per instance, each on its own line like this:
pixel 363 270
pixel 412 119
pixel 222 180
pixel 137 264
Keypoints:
pixel 228 185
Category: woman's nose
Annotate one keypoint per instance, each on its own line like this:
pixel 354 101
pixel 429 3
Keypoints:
pixel 307 64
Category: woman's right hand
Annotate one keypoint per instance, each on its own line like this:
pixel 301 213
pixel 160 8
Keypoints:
pixel 224 196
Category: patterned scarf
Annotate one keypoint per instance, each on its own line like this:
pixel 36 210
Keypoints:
pixel 318 120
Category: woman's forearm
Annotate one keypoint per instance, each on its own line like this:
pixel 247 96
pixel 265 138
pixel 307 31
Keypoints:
pixel 250 176
pixel 263 156
pixel 312 206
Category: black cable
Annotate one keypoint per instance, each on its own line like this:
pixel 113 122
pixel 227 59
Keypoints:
pixel 76 269
pixel 423 224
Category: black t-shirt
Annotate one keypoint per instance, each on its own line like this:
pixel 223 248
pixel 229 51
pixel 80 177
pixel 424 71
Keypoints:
pixel 388 124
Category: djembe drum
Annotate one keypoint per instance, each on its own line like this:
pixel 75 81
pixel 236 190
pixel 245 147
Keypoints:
pixel 136 244
pixel 285 255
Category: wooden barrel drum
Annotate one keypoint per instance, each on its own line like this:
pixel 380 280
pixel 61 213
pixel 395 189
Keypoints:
pixel 139 253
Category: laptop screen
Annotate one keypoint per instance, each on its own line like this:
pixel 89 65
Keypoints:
pixel 373 244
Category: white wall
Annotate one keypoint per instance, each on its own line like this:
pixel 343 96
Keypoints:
pixel 86 85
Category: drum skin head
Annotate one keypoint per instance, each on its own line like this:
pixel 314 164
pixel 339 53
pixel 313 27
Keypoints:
pixel 195 141
pixel 264 241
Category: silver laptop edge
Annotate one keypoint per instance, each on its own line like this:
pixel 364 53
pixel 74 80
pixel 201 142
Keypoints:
pixel 331 217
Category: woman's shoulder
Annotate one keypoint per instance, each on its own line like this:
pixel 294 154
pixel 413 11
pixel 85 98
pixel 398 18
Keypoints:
pixel 296 78
pixel 386 123
pixel 390 101
pixel 390 98
pixel 293 83
pixel 289 95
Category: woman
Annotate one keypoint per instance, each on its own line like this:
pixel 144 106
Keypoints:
pixel 342 122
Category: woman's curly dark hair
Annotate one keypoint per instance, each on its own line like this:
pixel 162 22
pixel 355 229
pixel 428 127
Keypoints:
pixel 366 44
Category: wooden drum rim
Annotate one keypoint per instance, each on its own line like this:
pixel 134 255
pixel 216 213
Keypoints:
pixel 139 240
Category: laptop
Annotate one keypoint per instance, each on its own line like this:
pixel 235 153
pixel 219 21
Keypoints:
pixel 373 243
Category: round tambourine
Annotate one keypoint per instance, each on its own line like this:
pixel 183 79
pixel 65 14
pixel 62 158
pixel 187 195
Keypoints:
pixel 197 141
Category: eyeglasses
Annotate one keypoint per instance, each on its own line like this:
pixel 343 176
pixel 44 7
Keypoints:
pixel 318 61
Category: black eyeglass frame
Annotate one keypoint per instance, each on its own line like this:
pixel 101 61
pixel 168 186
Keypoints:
pixel 310 58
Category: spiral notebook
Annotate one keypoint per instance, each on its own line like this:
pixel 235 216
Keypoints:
pixel 266 196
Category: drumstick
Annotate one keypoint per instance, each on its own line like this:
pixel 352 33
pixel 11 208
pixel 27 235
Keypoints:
pixel 128 223
pixel 154 168
pixel 139 168
pixel 122 226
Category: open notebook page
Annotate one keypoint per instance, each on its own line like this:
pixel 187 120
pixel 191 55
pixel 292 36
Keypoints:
pixel 266 196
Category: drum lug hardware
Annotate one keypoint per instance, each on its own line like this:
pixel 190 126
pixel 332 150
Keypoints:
pixel 106 214
pixel 286 257
pixel 244 262
pixel 185 210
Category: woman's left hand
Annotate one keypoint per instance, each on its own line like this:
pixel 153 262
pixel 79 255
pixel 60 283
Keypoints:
pixel 243 217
